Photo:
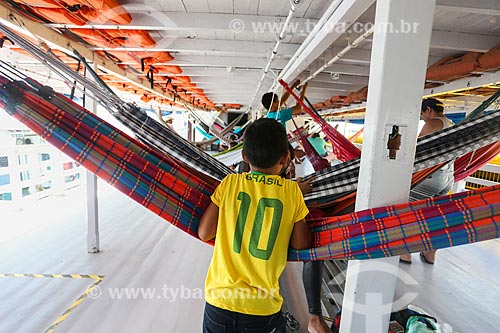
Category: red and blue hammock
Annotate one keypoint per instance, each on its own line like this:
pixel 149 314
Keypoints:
pixel 180 194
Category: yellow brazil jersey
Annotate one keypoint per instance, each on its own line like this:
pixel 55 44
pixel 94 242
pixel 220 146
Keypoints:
pixel 257 213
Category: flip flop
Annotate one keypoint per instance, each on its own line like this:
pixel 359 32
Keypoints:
pixel 403 261
pixel 424 258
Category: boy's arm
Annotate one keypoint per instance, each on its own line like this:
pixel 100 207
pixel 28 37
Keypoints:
pixel 285 96
pixel 208 223
pixel 301 236
pixel 297 109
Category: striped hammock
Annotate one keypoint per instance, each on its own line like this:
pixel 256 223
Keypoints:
pixel 177 194
pixel 153 134
pixel 180 195
pixel 431 150
pixel 230 156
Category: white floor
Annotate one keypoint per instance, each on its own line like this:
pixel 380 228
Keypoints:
pixel 462 288
pixel 166 269
pixel 140 252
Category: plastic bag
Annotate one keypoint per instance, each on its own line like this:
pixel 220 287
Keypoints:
pixel 421 324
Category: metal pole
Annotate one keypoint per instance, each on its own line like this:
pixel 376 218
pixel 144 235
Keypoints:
pixel 92 202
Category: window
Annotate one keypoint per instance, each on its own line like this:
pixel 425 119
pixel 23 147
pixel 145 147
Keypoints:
pixel 22 159
pixel 43 157
pixel 4 179
pixel 6 196
pixel 24 175
pixel 25 191
pixel 4 161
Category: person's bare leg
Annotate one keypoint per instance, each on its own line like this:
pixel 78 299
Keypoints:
pixel 317 324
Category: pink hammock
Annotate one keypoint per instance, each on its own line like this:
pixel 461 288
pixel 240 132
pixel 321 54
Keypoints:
pixel 345 150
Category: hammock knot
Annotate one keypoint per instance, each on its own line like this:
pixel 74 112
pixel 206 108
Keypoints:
pixel 46 92
pixel 14 94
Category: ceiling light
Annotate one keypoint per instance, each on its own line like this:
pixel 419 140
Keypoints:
pixel 335 76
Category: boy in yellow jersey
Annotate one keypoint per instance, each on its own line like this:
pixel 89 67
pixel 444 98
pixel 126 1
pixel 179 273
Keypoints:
pixel 254 218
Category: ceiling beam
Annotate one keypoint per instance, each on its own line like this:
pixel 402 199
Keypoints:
pixel 324 95
pixel 351 84
pixel 483 7
pixel 323 35
pixel 145 19
pixel 342 79
pixel 357 70
pixel 214 84
pixel 201 71
pixel 215 47
pixel 354 55
pixel 464 83
pixel 461 41
pixel 313 86
pixel 200 61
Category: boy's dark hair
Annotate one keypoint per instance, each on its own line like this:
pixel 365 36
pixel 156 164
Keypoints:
pixel 433 103
pixel 268 98
pixel 315 135
pixel 265 142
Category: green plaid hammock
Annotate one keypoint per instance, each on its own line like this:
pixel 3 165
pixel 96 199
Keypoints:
pixel 180 195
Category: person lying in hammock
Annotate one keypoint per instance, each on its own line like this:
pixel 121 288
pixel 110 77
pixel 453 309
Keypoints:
pixel 254 218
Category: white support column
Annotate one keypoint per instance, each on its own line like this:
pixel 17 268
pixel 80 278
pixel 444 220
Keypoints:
pixel 397 70
pixel 92 202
